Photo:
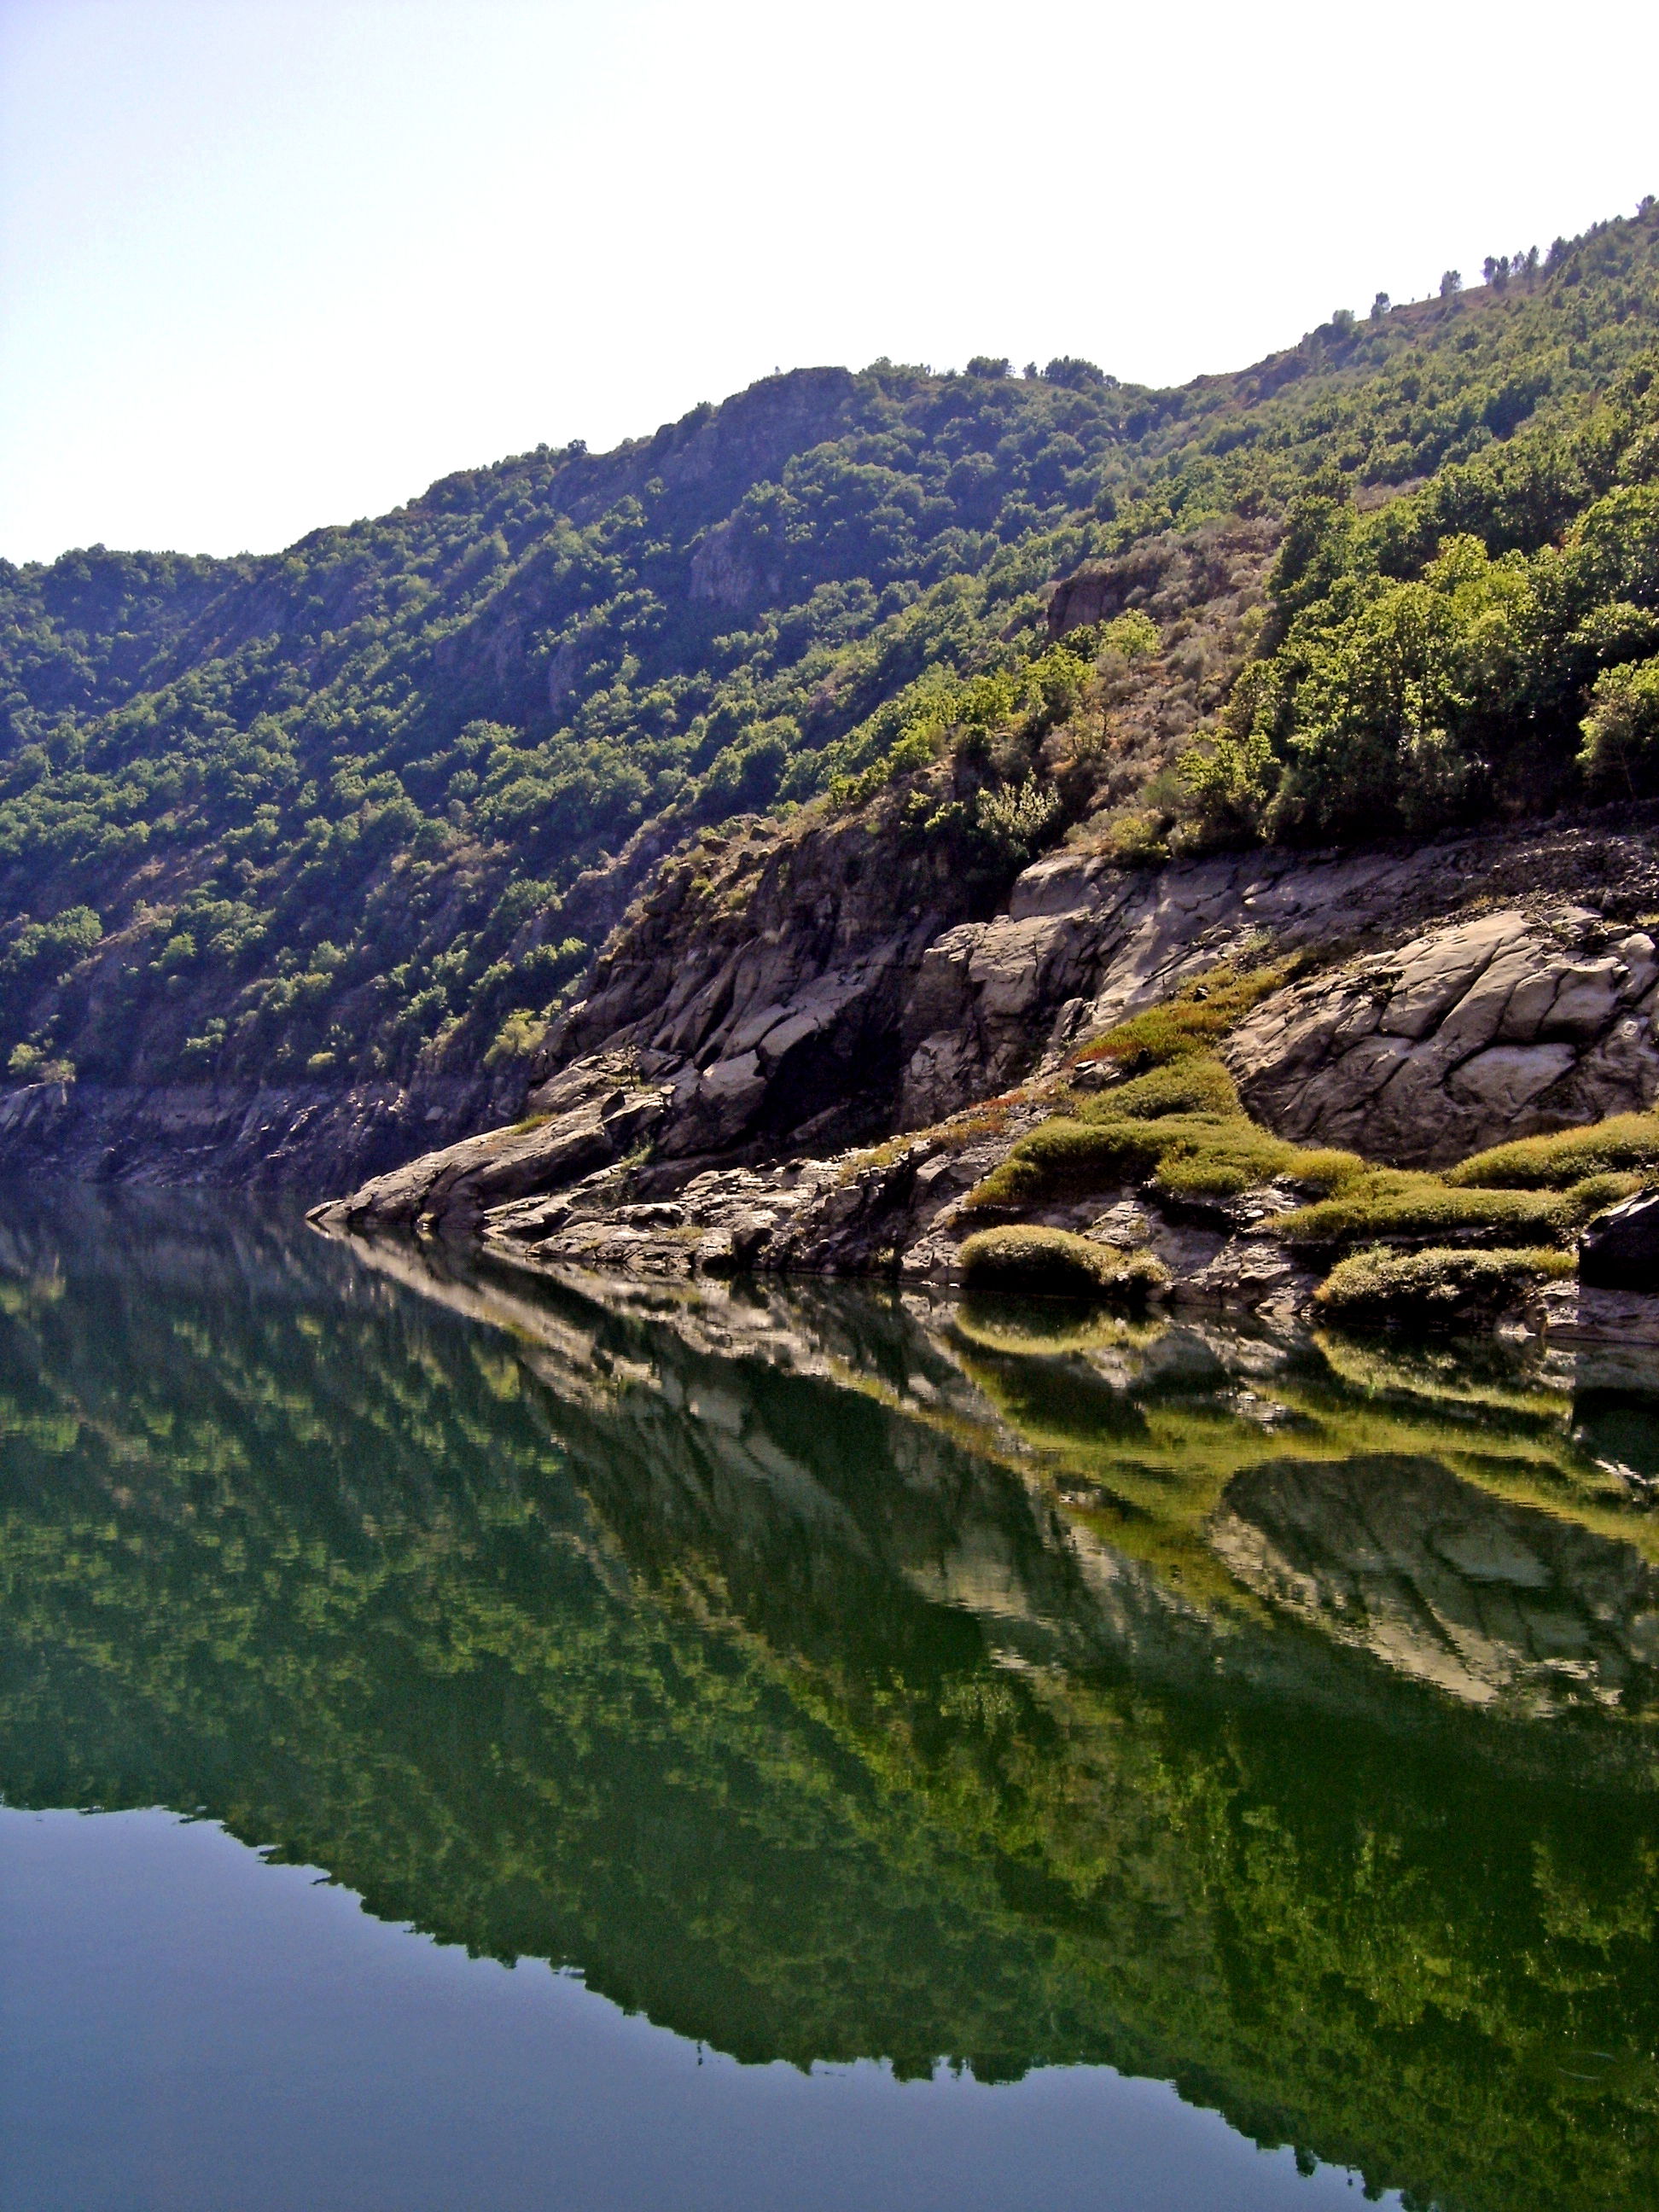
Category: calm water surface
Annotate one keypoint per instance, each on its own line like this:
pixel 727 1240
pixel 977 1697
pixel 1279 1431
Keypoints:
pixel 465 1743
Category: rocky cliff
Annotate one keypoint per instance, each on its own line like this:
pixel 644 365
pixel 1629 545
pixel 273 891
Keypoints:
pixel 299 1137
pixel 800 1052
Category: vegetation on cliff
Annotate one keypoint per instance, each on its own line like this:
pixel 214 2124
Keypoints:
pixel 1446 1249
pixel 1488 643
pixel 327 813
pixel 1051 1260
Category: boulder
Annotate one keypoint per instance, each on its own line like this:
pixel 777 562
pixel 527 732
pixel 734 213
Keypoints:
pixel 605 1115
pixel 1619 1250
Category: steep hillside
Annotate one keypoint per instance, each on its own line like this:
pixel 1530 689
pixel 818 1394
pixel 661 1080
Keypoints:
pixel 362 812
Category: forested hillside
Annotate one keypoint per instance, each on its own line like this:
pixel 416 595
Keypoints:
pixel 328 813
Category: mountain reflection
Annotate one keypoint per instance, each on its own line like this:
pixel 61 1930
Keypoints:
pixel 833 1674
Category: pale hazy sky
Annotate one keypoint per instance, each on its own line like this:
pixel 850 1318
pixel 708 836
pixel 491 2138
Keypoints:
pixel 269 264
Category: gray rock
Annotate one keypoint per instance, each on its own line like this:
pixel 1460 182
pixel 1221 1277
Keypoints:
pixel 448 1191
pixel 768 1007
pixel 1471 1033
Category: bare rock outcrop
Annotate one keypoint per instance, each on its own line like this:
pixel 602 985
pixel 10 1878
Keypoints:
pixel 804 989
pixel 1500 1026
pixel 592 1118
pixel 1083 943
pixel 764 981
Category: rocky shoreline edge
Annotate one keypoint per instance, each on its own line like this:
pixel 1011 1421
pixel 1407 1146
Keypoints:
pixel 1411 1007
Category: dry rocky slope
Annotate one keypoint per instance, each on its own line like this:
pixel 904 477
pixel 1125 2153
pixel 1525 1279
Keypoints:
pixel 796 1054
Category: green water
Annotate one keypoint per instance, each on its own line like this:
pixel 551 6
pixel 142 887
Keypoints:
pixel 831 1677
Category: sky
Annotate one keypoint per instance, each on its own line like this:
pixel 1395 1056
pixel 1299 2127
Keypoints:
pixel 267 264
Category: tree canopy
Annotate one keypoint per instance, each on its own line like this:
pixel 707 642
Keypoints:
pixel 327 812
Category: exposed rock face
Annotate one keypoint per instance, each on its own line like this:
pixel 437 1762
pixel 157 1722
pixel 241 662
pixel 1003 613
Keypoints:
pixel 1619 1251
pixel 305 1137
pixel 804 986
pixel 1497 1027
pixel 747 1028
pixel 591 1118
pixel 565 1195
pixel 1083 943
pixel 769 990
pixel 823 990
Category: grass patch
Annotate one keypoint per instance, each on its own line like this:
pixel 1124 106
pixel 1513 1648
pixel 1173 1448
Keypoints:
pixel 1180 1124
pixel 1052 1262
pixel 1196 1083
pixel 1439 1288
pixel 1394 1202
pixel 1063 1155
pixel 1226 1160
pixel 1184 1155
pixel 1177 1128
pixel 1191 1021
pixel 1623 1144
pixel 1399 1204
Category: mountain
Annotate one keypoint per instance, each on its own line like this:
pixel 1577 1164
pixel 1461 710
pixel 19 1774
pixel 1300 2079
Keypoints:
pixel 362 813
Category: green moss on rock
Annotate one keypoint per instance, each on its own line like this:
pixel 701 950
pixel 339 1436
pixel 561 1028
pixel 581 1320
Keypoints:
pixel 1623 1144
pixel 1440 1287
pixel 1054 1262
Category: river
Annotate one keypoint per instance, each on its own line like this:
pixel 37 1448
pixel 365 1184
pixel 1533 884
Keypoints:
pixel 468 1740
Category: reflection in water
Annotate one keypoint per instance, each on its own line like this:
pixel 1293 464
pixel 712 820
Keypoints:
pixel 833 1675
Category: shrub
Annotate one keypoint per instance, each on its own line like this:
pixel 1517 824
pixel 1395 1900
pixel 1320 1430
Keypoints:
pixel 1054 1263
pixel 1200 1013
pixel 1436 1288
pixel 1195 1082
pixel 1391 1202
pixel 1134 837
pixel 1132 634
pixel 1017 819
pixel 1624 1143
pixel 517 1038
pixel 1621 731
pixel 32 1063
